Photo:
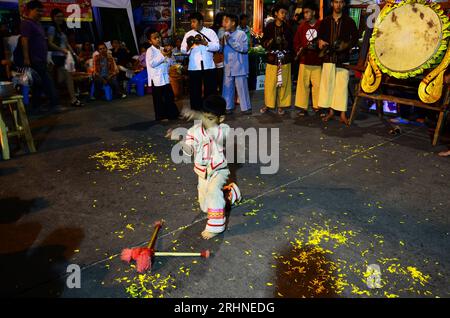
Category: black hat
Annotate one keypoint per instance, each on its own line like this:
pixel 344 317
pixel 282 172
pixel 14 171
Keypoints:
pixel 215 104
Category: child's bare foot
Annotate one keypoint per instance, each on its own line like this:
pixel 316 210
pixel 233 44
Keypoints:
pixel 208 235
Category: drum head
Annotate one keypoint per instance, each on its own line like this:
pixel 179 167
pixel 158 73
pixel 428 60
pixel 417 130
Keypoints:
pixel 408 37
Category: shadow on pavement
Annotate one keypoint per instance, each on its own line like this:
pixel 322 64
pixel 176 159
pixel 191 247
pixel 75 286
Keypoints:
pixel 25 266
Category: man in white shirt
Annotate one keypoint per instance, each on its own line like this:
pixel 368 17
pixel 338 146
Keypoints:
pixel 200 43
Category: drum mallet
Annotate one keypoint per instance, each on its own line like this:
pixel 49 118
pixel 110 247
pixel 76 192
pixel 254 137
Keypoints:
pixel 142 255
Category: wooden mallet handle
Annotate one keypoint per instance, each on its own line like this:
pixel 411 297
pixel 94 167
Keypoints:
pixel 151 244
pixel 204 254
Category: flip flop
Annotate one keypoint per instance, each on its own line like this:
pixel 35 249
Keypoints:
pixel 345 122
pixel 264 110
pixel 327 118
pixel 399 120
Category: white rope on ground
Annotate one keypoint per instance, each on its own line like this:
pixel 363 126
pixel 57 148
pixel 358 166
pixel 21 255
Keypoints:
pixel 318 170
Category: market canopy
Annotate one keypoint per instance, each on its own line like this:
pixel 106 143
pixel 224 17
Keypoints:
pixel 122 4
pixel 115 4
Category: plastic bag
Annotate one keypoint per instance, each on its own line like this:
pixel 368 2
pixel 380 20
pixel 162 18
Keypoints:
pixel 25 76
pixel 70 63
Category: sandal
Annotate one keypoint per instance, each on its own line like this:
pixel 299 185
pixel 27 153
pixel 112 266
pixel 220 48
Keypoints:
pixel 264 110
pixel 281 111
pixel 327 118
pixel 344 121
pixel 77 103
pixel 395 131
pixel 302 113
pixel 320 112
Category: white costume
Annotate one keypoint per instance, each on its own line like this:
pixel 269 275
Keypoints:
pixel 210 164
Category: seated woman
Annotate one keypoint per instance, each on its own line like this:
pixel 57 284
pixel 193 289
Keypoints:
pixel 106 71
pixel 120 53
pixel 85 55
pixel 140 64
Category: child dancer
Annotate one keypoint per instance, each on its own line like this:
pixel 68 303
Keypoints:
pixel 206 142
pixel 157 62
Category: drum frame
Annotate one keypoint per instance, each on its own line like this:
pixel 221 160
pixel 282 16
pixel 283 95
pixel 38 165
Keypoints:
pixel 430 90
pixel 433 93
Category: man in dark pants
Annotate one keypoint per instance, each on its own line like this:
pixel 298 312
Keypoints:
pixel 200 43
pixel 34 48
pixel 158 61
pixel 338 34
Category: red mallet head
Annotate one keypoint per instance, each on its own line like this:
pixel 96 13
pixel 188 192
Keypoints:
pixel 126 255
pixel 205 254
pixel 144 260
pixel 129 254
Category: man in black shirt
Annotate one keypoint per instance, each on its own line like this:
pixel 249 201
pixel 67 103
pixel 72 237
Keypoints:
pixel 337 36
pixel 277 41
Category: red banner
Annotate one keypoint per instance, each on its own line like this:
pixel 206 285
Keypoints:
pixel 78 10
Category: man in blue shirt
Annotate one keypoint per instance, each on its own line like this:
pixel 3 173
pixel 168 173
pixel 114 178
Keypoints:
pixel 34 47
pixel 235 49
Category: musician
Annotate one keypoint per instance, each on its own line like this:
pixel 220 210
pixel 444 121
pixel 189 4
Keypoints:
pixel 158 61
pixel 243 26
pixel 200 43
pixel 306 46
pixel 235 48
pixel 337 35
pixel 277 40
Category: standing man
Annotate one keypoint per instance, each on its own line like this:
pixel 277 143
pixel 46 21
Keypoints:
pixel 200 43
pixel 235 48
pixel 34 50
pixel 277 41
pixel 337 35
pixel 305 44
pixel 243 26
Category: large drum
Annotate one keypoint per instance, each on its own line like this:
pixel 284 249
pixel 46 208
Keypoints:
pixel 409 37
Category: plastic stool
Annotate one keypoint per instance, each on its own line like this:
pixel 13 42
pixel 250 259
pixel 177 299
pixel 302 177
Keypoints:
pixel 140 80
pixel 106 88
pixel 25 91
